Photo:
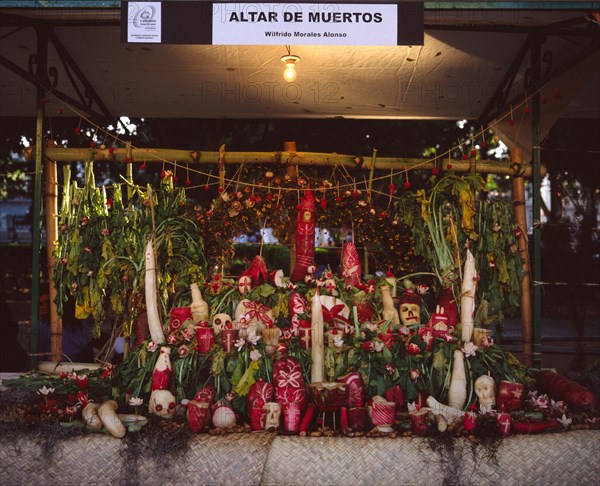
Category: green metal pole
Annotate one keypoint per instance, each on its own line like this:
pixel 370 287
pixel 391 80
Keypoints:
pixel 42 57
pixel 536 194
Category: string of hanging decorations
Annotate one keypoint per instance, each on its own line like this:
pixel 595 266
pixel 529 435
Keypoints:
pixel 441 161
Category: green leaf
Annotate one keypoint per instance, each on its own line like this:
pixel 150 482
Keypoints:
pixel 247 379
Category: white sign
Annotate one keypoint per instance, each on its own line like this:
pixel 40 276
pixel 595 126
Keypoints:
pixel 144 22
pixel 305 24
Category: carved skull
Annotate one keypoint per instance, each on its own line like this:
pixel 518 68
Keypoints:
pixel 410 314
pixel 220 322
pixel 485 388
pixel 273 415
pixel 162 403
pixel 244 284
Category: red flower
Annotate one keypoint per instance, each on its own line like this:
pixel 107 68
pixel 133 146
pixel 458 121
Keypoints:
pixel 414 374
pixel 71 411
pixel 367 345
pixel 82 381
pixel 82 398
pixel 108 371
pixel 413 349
pixel 109 202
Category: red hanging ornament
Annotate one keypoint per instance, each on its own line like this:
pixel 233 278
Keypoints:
pixel 127 160
pixel 435 171
pixel 206 187
pixel 111 150
pixel 449 167
pixel 221 189
pixel 391 188
pixel 465 157
pixel 324 204
pixel 188 182
pixel 143 166
pixel 175 178
pixel 92 144
pixel 511 122
pixel 77 130
pixel 407 185
pixel 473 153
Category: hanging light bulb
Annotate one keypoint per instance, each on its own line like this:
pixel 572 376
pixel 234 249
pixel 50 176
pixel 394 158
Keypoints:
pixel 289 74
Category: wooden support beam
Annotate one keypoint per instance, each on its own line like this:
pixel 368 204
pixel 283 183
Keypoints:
pixel 520 213
pixel 148 155
pixel 51 204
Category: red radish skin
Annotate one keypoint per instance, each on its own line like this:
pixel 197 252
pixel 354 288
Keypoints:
pixel 305 237
pixel 535 427
pixel 306 420
pixel 558 387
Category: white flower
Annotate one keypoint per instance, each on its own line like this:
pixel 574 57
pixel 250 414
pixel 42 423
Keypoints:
pixel 253 338
pixel 412 407
pixel 255 355
pixel 487 342
pixel 152 346
pixel 371 326
pixel 422 289
pixel 485 409
pixel 558 406
pixel 239 344
pixel 378 346
pixel 338 340
pixel 45 390
pixel 565 421
pixel 136 401
pixel 542 401
pixel 469 349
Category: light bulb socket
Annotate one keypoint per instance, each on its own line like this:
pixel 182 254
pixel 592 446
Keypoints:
pixel 290 59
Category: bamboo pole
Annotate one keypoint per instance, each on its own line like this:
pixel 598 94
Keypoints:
pixel 42 58
pixel 521 221
pixel 51 204
pixel 62 154
pixel 536 155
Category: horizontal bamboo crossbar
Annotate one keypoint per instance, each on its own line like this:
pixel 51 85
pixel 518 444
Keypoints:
pixel 148 155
